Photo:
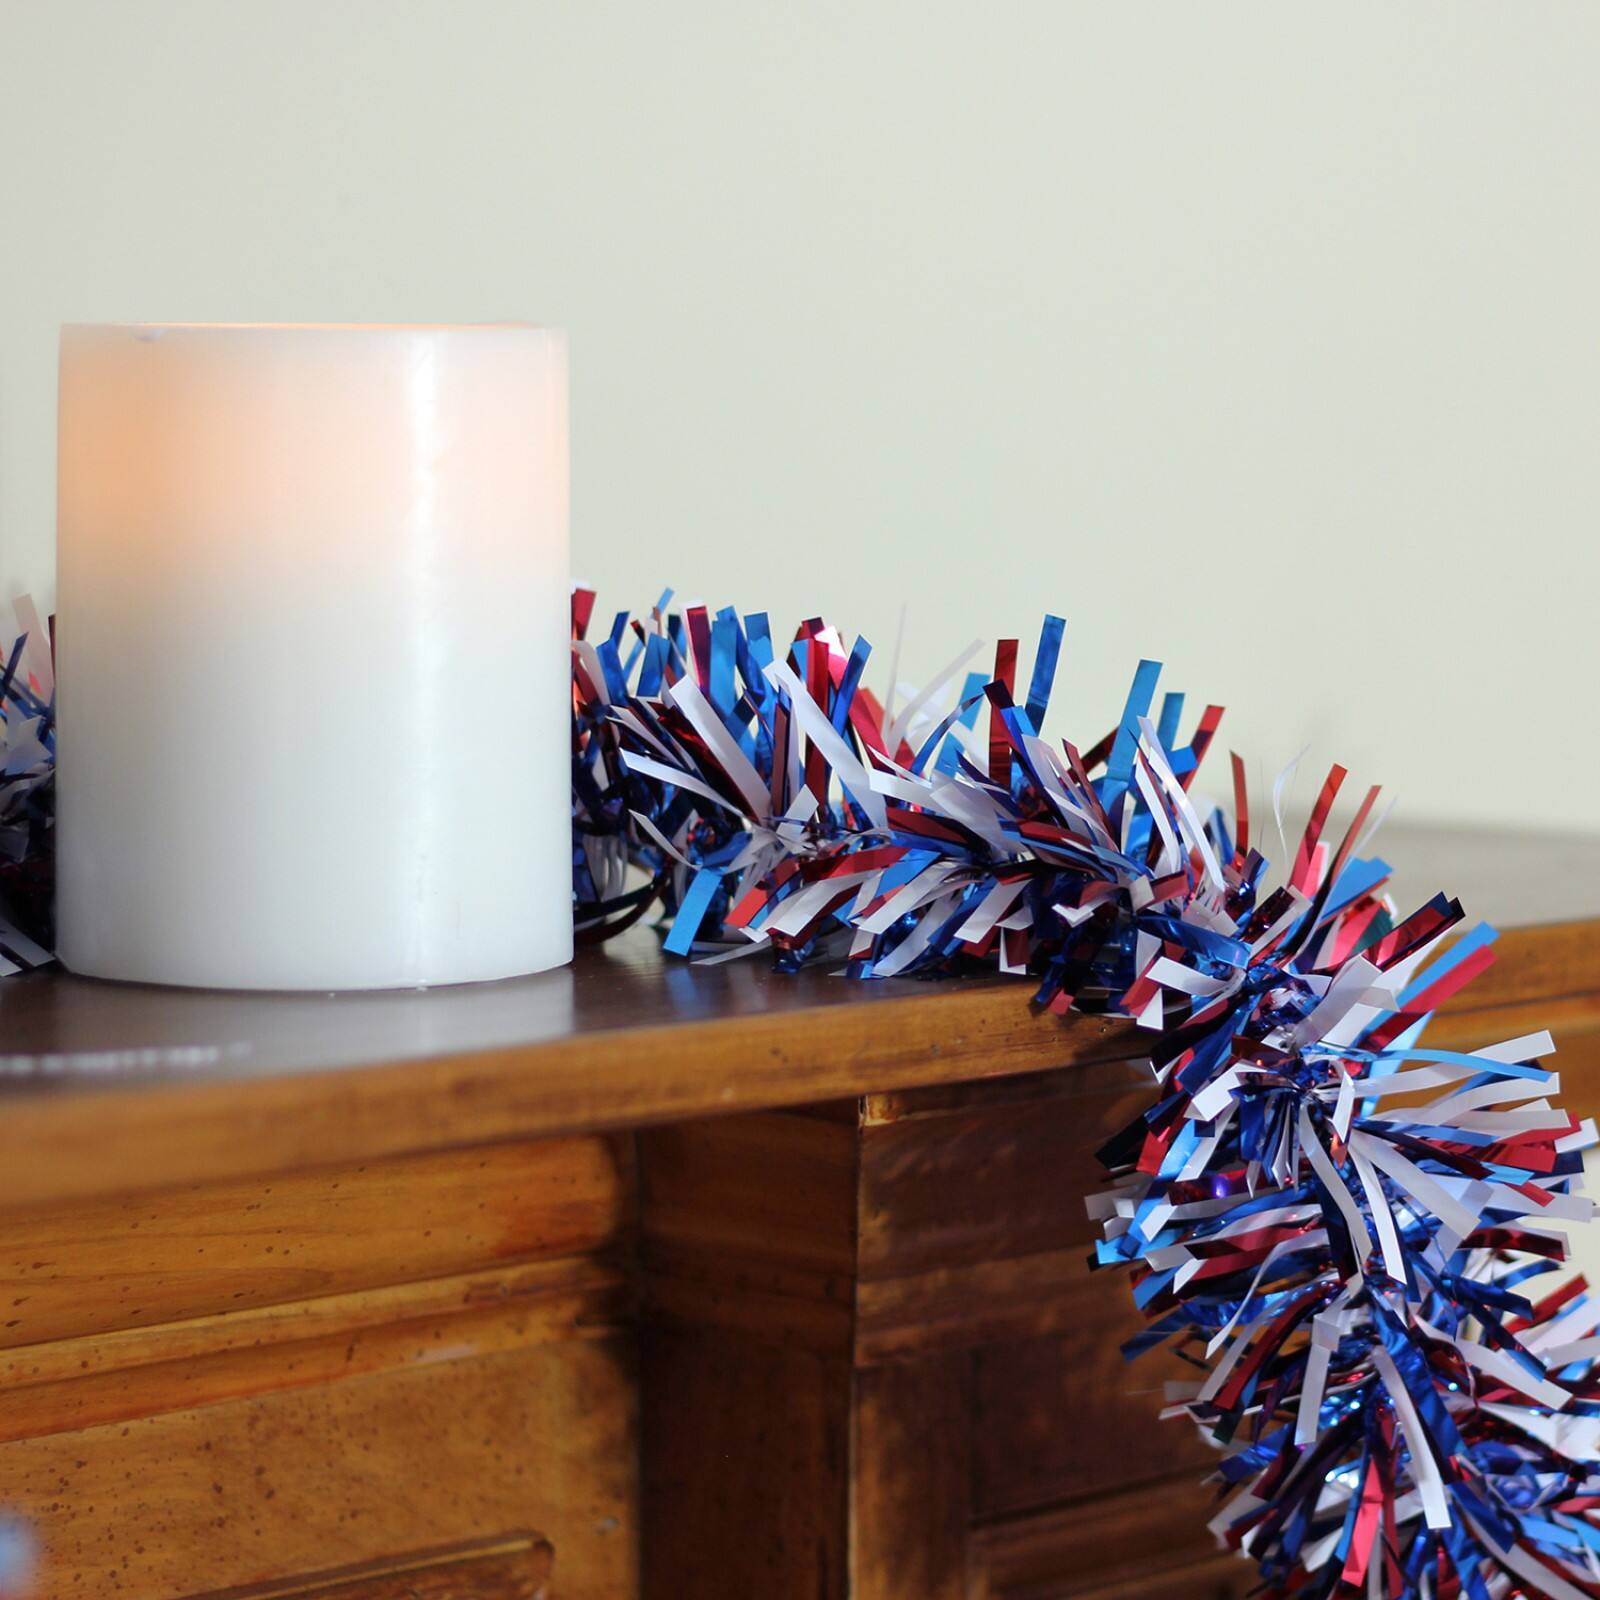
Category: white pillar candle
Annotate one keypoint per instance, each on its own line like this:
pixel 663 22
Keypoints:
pixel 313 661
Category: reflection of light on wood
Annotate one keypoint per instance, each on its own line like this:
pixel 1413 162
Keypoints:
pixel 87 1063
pixel 16 1559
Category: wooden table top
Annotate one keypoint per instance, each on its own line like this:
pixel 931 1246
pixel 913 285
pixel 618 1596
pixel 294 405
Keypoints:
pixel 109 1084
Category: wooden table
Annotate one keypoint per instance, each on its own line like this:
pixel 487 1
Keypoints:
pixel 632 1278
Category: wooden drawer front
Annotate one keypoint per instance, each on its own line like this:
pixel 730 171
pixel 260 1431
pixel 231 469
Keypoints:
pixel 249 1494
pixel 992 1176
pixel 205 1250
pixel 990 1377
pixel 1151 1544
pixel 230 1387
pixel 1060 1418
pixel 973 1229
pixel 515 1568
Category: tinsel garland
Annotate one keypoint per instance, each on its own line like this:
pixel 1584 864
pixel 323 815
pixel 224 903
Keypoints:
pixel 1340 1228
pixel 27 794
pixel 1329 1219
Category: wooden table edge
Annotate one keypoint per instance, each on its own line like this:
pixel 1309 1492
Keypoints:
pixel 100 1135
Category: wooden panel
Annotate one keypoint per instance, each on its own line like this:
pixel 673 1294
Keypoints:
pixel 986 1182
pixel 748 1242
pixel 986 1302
pixel 133 1261
pixel 748 1223
pixel 1041 1405
pixel 911 1507
pixel 503 1569
pixel 796 1315
pixel 257 1491
pixel 746 1455
pixel 771 1188
pixel 1151 1544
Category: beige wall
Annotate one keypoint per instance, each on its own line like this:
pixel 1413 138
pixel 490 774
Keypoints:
pixel 1264 339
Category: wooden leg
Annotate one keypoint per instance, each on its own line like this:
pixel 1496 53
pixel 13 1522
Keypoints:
pixel 748 1247
pixel 911 1491
pixel 876 1363
pixel 746 1469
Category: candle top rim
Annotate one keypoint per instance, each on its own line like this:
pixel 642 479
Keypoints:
pixel 305 327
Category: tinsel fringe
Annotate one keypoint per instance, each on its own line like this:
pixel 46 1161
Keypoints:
pixel 1339 1227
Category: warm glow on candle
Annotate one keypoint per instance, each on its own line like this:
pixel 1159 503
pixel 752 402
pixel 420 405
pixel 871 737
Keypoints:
pixel 312 636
